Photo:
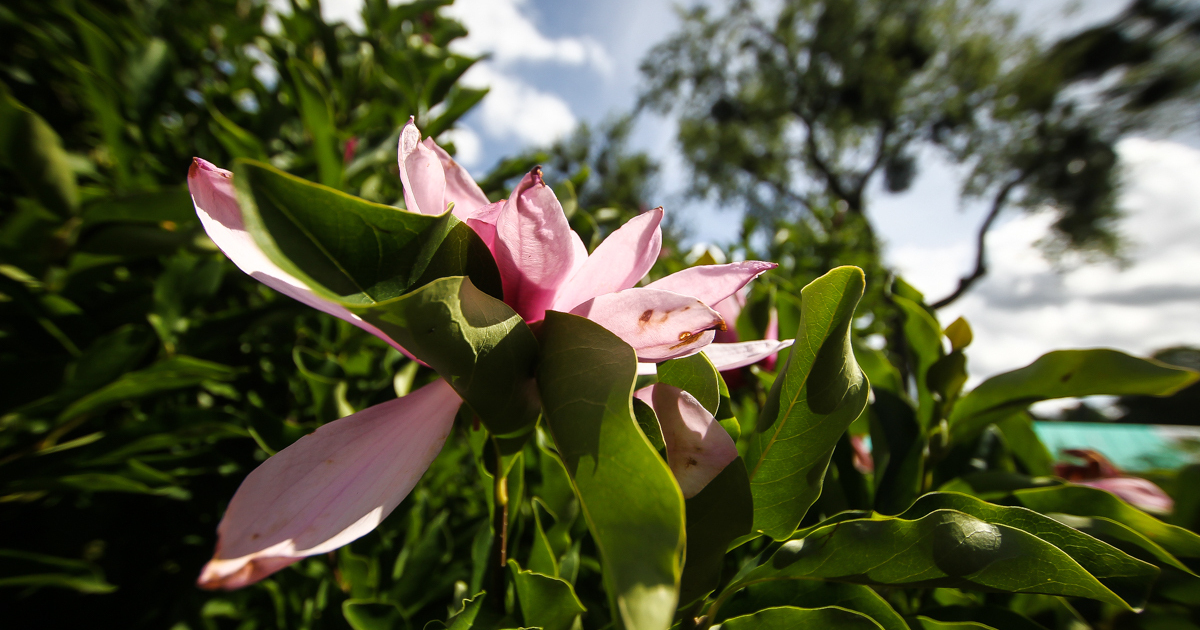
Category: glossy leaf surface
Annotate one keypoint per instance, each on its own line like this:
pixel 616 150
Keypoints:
pixel 627 494
pixel 813 400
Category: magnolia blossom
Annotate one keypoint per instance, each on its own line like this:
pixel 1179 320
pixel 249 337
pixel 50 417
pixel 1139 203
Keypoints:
pixel 1097 472
pixel 337 484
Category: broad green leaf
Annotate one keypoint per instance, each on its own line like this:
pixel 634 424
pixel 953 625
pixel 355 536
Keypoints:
pixel 695 375
pixel 1122 537
pixel 1124 575
pixel 171 207
pixel 372 615
pixel 476 342
pixel 546 602
pixel 789 618
pixel 812 402
pixel 989 616
pixel 720 513
pixel 924 336
pixel 1085 501
pixel 944 548
pixel 33 150
pixel 627 494
pixel 1063 374
pixel 925 623
pixel 817 594
pixel 877 367
pixel 176 372
pixel 542 558
pixel 349 249
pixel 1025 445
pixel 317 113
pixel 896 432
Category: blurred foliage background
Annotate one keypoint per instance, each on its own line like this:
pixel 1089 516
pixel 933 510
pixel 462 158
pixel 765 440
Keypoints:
pixel 144 375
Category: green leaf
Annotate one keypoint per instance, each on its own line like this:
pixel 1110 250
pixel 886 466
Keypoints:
pixel 695 375
pixel 789 618
pixel 981 616
pixel 627 494
pixel 1122 537
pixel 1085 501
pixel 349 249
pixel 372 615
pixel 31 148
pixel 1124 575
pixel 476 342
pixel 1025 445
pixel 933 624
pixel 176 372
pixel 1063 374
pixel 816 397
pixel 169 204
pixel 31 572
pixel 542 558
pixel 546 602
pixel 924 336
pixel 317 114
pixel 720 513
pixel 898 481
pixel 944 548
pixel 879 370
pixel 959 333
pixel 817 594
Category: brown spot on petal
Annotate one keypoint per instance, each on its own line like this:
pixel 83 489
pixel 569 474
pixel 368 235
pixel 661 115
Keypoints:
pixel 645 318
pixel 685 338
pixel 691 461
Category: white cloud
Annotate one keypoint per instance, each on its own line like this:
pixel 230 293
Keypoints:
pixel 1025 307
pixel 503 29
pixel 515 110
pixel 467 144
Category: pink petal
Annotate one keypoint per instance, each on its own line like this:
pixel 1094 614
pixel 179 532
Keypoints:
pixel 698 447
pixel 729 356
pixel 712 283
pixel 461 189
pixel 1140 493
pixel 535 248
pixel 216 205
pixel 330 487
pixel 617 264
pixel 660 325
pixel 730 309
pixel 484 223
pixel 421 173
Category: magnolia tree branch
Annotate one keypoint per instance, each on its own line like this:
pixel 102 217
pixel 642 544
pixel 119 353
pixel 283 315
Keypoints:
pixel 964 283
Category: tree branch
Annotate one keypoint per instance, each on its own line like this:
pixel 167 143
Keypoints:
pixel 980 271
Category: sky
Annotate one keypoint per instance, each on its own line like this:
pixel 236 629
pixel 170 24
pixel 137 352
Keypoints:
pixel 555 63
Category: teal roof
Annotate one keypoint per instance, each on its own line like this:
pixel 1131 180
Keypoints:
pixel 1131 447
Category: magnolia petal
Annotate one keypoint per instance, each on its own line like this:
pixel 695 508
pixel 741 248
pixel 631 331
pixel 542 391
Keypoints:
pixel 660 325
pixel 219 212
pixel 421 173
pixel 330 487
pixel 698 447
pixel 461 189
pixel 730 309
pixel 1140 493
pixel 535 248
pixel 729 356
pixel 484 223
pixel 712 283
pixel 618 263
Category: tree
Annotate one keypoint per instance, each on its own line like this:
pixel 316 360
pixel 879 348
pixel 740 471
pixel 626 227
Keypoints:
pixel 794 113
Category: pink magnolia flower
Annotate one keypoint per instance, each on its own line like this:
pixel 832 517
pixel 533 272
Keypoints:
pixel 1097 472
pixel 337 484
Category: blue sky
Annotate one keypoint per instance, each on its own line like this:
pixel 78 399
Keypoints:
pixel 558 62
